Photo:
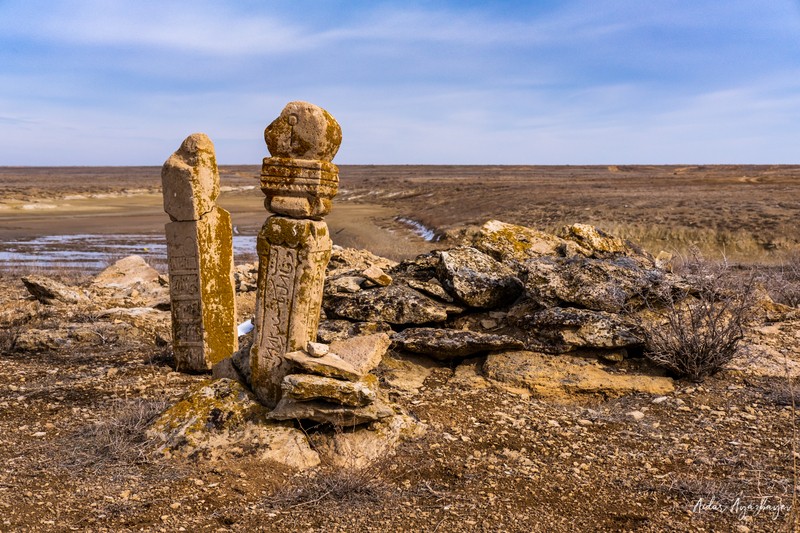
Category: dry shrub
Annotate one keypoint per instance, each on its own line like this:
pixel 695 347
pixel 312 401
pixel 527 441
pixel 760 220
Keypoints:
pixel 700 328
pixel 117 441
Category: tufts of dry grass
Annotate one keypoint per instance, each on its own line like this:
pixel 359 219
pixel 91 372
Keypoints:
pixel 119 441
pixel 9 334
pixel 348 486
pixel 783 283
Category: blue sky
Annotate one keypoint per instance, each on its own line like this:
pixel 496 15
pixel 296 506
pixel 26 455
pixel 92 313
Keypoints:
pixel 93 82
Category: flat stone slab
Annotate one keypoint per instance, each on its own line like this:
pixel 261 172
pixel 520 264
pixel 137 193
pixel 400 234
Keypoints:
pixel 332 329
pixel 509 242
pixel 581 328
pixel 563 375
pixel 377 276
pixel 49 291
pixel 305 387
pixel 363 352
pixel 330 413
pixel 330 365
pixel 444 344
pixel 596 284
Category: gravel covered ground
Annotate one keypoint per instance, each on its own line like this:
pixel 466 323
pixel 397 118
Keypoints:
pixel 719 456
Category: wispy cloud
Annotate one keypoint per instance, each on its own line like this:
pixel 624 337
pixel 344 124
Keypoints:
pixel 411 82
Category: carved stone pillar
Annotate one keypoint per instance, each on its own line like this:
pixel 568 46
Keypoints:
pixel 294 246
pixel 200 257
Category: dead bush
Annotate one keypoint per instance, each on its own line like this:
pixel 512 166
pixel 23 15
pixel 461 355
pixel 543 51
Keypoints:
pixel 700 328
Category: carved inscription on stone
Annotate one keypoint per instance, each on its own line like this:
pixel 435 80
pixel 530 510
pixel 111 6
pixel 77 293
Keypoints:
pixel 293 255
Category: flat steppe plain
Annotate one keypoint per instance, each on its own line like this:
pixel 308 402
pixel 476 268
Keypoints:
pixel 744 212
pixel 721 455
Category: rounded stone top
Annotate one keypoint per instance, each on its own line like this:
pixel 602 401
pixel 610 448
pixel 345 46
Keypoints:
pixel 304 131
pixel 190 179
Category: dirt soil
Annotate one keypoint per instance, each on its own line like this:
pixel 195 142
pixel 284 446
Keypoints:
pixel 717 456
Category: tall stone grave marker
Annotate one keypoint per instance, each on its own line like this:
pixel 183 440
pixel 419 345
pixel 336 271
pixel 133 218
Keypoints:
pixel 200 255
pixel 299 182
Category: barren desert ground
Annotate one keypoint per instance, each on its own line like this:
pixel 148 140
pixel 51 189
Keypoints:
pixel 720 455
pixel 745 213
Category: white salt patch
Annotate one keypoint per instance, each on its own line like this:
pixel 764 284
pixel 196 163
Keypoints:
pixel 38 206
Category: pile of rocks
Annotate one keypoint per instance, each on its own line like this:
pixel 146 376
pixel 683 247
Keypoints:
pixel 332 383
pixel 326 383
pixel 505 289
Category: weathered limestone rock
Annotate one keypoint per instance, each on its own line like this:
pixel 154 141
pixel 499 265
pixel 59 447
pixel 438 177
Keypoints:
pixel 352 393
pixel 220 419
pixel 594 242
pixel 364 352
pixel 241 357
pixel 317 349
pixel 509 242
pixel 299 182
pixel 345 283
pixel 131 281
pixel 406 372
pixel 350 358
pixel 395 304
pixel 431 287
pixel 601 285
pixel 476 279
pixel 363 446
pixel 330 413
pixel 49 291
pixel 549 375
pixel 200 256
pixel 574 327
pixel 332 329
pixel 70 334
pixel 445 344
pixel 225 369
pixel 128 273
pixel 353 261
pixel 377 276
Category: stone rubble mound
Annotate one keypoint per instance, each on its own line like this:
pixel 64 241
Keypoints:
pixel 507 289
